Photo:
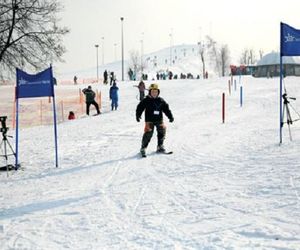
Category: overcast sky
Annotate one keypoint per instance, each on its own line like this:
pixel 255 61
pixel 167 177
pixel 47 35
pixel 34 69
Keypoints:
pixel 240 24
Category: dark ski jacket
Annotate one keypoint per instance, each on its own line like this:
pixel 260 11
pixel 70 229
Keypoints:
pixel 89 95
pixel 153 107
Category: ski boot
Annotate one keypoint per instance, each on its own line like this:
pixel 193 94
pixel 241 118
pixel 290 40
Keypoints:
pixel 143 152
pixel 161 149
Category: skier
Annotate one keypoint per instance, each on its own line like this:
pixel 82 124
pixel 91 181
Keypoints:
pixel 154 107
pixel 114 96
pixel 112 77
pixel 75 80
pixel 141 88
pixel 105 76
pixel 90 99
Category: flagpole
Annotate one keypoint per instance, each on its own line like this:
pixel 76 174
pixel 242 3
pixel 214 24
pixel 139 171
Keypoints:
pixel 280 89
pixel 55 132
pixel 17 133
pixel 280 102
pixel 54 120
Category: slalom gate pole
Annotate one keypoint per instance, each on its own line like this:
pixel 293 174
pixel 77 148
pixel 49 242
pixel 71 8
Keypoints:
pixel 234 85
pixel 229 87
pixel 62 110
pixel 241 96
pixel 223 107
pixel 80 97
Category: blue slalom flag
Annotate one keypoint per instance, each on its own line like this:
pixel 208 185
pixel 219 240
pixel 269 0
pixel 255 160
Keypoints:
pixel 289 40
pixel 37 85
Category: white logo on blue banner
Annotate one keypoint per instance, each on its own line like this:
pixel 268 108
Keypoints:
pixel 38 85
pixel 289 41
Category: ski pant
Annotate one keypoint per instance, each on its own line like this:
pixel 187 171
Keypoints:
pixel 114 104
pixel 148 132
pixel 142 95
pixel 88 104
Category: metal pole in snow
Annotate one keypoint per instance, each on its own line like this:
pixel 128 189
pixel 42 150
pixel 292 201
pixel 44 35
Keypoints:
pixel 223 107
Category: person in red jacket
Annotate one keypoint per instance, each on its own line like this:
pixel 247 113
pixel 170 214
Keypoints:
pixel 71 115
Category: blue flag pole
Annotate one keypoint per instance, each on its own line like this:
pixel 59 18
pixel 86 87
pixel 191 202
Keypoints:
pixel 54 121
pixel 280 103
pixel 17 133
pixel 280 85
pixel 55 132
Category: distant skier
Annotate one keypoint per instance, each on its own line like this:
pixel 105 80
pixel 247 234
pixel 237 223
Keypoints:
pixel 154 107
pixel 90 99
pixel 142 89
pixel 105 77
pixel 112 77
pixel 114 96
pixel 75 80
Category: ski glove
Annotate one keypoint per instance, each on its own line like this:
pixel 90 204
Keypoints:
pixel 171 119
pixel 138 119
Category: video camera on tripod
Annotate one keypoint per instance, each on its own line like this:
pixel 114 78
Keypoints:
pixel 285 98
pixel 5 145
pixel 3 128
pixel 287 113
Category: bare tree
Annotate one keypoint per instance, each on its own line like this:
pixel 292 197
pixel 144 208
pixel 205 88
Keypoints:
pixel 252 57
pixel 261 53
pixel 201 52
pixel 214 54
pixel 134 62
pixel 248 57
pixel 244 57
pixel 29 35
pixel 224 55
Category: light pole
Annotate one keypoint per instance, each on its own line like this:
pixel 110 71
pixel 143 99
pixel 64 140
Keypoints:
pixel 142 45
pixel 103 50
pixel 142 53
pixel 97 46
pixel 170 48
pixel 122 41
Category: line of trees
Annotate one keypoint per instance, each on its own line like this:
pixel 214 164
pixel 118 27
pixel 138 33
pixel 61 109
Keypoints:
pixel 29 35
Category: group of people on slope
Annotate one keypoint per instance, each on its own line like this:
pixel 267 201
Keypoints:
pixel 90 98
pixel 153 105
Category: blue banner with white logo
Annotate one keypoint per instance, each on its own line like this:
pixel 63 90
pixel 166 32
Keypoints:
pixel 289 40
pixel 37 85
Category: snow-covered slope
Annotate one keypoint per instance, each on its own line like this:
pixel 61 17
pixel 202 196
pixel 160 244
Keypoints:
pixel 227 186
pixel 185 59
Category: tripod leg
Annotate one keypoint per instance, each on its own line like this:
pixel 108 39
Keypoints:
pixel 5 156
pixel 11 148
pixel 283 112
pixel 289 121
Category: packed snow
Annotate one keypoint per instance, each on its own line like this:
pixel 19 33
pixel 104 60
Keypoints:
pixel 226 186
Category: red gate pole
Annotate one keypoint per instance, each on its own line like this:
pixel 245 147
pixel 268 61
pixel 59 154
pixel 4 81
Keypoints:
pixel 223 107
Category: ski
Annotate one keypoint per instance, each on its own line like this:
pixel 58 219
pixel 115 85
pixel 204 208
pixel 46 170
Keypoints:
pixel 163 153
pixel 166 152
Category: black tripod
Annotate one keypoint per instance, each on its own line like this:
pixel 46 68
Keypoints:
pixel 6 143
pixel 286 111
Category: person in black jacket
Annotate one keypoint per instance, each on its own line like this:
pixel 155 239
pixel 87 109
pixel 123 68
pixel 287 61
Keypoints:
pixel 90 99
pixel 154 107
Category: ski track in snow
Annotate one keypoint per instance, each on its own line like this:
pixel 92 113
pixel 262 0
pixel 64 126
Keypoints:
pixel 227 186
